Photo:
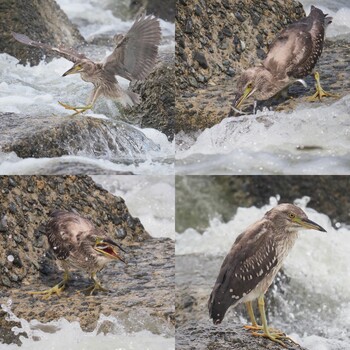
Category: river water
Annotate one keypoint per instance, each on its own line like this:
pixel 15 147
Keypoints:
pixel 314 308
pixel 34 91
pixel 313 139
pixel 151 199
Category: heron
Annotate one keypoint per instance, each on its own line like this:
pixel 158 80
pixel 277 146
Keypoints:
pixel 133 58
pixel 292 56
pixel 77 243
pixel 253 262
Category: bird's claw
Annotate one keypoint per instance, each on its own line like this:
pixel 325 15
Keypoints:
pixel 57 289
pixel 276 337
pixel 317 96
pixel 77 110
pixel 259 328
pixel 93 288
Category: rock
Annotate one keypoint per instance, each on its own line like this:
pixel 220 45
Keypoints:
pixel 200 58
pixel 157 108
pixel 78 193
pixel 164 9
pixel 224 337
pixel 54 137
pixel 145 286
pixel 42 20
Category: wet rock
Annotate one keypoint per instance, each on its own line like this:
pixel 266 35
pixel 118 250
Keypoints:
pixel 54 137
pixel 42 21
pixel 3 224
pixel 157 109
pixel 200 58
pixel 80 194
pixel 145 286
pixel 228 337
pixel 164 9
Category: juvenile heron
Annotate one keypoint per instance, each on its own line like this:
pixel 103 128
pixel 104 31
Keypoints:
pixel 76 243
pixel 133 58
pixel 253 262
pixel 291 57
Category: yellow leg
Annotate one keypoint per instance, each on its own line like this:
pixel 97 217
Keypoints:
pixel 95 287
pixel 255 326
pixel 266 332
pixel 319 91
pixel 250 310
pixel 77 110
pixel 57 289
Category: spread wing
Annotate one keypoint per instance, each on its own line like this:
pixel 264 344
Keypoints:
pixel 136 52
pixel 63 232
pixel 289 52
pixel 69 54
pixel 243 268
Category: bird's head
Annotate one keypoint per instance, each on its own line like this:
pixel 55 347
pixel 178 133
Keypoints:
pixel 256 81
pixel 292 218
pixel 81 66
pixel 107 248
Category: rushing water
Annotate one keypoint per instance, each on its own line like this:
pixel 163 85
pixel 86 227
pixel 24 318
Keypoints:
pixel 145 333
pixel 316 309
pixel 34 91
pixel 313 139
pixel 150 198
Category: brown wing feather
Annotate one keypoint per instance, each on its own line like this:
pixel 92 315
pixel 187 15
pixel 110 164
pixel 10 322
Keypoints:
pixel 64 230
pixel 240 272
pixel 136 52
pixel 69 54
pixel 290 50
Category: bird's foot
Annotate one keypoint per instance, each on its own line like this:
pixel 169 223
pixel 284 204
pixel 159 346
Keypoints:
pixel 57 289
pixel 93 288
pixel 259 328
pixel 276 337
pixel 319 94
pixel 77 110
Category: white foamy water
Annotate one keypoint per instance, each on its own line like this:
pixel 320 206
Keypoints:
pixel 62 334
pixel 36 91
pixel 313 139
pixel 150 198
pixel 319 262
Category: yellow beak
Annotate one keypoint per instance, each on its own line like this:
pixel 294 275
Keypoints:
pixel 106 247
pixel 73 70
pixel 245 95
pixel 309 224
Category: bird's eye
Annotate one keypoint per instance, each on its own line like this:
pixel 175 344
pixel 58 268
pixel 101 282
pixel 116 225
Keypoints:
pixel 250 85
pixel 291 215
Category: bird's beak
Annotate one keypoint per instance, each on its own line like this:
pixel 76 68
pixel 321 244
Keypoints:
pixel 73 70
pixel 106 247
pixel 247 92
pixel 309 224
